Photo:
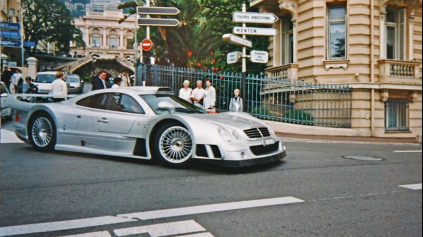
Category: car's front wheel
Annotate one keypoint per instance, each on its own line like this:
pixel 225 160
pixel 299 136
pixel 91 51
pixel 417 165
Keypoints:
pixel 42 132
pixel 173 146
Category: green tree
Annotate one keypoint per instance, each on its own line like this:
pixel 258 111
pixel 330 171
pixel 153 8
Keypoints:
pixel 50 21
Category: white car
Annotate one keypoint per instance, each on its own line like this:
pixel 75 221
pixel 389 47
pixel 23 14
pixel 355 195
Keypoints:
pixel 6 112
pixel 44 80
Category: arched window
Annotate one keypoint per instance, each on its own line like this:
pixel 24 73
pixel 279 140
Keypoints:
pixel 114 39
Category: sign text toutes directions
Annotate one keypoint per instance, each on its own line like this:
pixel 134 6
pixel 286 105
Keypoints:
pixel 255 18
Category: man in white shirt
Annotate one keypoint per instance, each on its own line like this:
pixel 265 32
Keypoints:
pixel 59 88
pixel 198 94
pixel 15 81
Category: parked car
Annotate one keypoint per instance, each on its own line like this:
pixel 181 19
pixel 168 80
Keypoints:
pixel 76 84
pixel 6 112
pixel 44 80
pixel 146 123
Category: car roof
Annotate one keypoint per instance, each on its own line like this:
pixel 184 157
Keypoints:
pixel 140 90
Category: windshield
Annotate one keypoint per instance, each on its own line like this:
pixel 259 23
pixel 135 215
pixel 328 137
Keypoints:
pixel 45 78
pixel 181 106
pixel 73 79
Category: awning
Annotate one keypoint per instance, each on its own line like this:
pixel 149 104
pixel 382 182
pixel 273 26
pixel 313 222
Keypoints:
pixel 254 3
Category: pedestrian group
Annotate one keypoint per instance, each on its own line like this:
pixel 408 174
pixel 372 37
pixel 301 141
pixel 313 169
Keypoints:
pixel 206 98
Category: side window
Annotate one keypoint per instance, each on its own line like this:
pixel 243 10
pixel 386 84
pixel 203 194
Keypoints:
pixel 95 101
pixel 124 103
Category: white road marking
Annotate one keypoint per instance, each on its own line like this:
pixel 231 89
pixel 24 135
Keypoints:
pixel 178 212
pixel 93 234
pixel 412 186
pixel 8 137
pixel 416 151
pixel 108 220
pixel 160 230
pixel 199 235
pixel 61 225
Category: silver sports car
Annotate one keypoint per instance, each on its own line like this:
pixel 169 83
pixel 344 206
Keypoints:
pixel 145 123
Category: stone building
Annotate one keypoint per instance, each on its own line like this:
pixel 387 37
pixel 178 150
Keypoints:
pixel 103 34
pixel 374 46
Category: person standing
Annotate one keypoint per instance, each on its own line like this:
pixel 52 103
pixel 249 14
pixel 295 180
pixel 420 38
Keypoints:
pixel 15 80
pixel 59 88
pixel 27 87
pixel 117 83
pixel 237 104
pixel 210 97
pixel 198 94
pixel 6 76
pixel 126 80
pixel 186 92
pixel 99 83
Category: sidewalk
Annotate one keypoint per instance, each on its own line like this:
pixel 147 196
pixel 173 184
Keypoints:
pixel 351 140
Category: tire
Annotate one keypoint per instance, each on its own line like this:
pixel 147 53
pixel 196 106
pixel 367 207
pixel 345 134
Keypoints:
pixel 173 146
pixel 42 132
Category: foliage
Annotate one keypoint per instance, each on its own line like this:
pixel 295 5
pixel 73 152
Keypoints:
pixel 299 115
pixel 198 43
pixel 50 21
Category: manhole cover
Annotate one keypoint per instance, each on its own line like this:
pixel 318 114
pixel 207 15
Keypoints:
pixel 363 158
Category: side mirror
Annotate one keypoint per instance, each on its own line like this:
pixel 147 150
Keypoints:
pixel 167 107
pixel 4 95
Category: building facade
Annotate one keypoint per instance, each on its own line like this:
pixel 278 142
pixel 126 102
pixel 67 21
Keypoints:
pixel 374 46
pixel 104 35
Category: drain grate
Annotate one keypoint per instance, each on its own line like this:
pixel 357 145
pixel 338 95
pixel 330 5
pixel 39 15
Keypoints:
pixel 363 158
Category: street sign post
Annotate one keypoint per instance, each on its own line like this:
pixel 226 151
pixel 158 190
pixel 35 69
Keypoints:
pixel 149 11
pixel 259 57
pixel 147 45
pixel 234 57
pixel 11 34
pixel 10 26
pixel 11 43
pixel 236 40
pixel 164 11
pixel 160 22
pixel 255 31
pixel 29 44
pixel 255 18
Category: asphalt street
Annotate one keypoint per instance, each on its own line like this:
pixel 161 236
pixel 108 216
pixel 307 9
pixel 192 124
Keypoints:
pixel 318 192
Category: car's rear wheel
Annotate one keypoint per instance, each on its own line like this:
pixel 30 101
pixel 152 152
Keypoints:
pixel 173 146
pixel 42 132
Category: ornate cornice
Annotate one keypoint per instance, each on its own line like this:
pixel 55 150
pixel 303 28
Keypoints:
pixel 291 7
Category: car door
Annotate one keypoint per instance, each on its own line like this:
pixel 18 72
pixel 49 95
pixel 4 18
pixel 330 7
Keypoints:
pixel 124 115
pixel 86 113
pixel 5 111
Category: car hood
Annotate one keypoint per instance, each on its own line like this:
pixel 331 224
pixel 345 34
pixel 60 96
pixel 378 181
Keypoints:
pixel 232 120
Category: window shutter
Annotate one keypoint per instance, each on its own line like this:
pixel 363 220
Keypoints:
pixel 402 42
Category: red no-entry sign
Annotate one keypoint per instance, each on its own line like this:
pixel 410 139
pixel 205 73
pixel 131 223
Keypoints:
pixel 147 45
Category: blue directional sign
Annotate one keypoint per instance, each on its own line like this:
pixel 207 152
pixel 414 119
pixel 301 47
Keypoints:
pixel 10 26
pixel 11 43
pixel 29 44
pixel 11 34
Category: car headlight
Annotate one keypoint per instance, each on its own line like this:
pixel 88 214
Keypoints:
pixel 225 135
pixel 236 135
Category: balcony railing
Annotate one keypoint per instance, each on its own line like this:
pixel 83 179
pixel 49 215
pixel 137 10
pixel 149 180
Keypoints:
pixel 403 72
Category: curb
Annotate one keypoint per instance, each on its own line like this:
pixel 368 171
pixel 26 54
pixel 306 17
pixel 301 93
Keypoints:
pixel 292 140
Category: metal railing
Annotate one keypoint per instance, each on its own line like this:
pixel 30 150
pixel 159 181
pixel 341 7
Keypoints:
pixel 274 99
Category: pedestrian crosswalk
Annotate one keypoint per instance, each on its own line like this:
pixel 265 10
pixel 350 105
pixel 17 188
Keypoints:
pixel 180 229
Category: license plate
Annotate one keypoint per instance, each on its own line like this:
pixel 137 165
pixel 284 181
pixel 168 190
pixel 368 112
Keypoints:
pixel 269 142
